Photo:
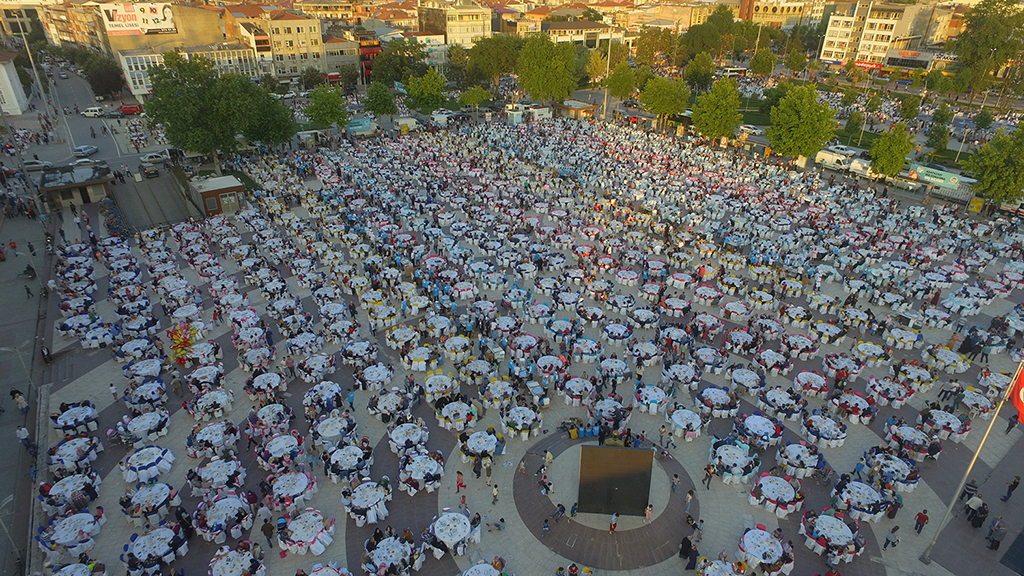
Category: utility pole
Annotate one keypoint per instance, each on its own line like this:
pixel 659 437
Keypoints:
pixel 962 140
pixel 31 60
pixel 607 68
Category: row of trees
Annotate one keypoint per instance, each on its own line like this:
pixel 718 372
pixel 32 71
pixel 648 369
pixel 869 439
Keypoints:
pixel 103 74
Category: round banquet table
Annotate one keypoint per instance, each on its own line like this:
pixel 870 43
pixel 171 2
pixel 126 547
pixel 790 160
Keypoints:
pixel 148 463
pixel 480 442
pixel 391 551
pixel 66 531
pixel 834 530
pixel 235 563
pixel 777 490
pixel 482 570
pixel 74 570
pixel 758 547
pixel 307 533
pixel 156 543
pixel 683 419
pixel 451 528
pixel 77 417
pixel 858 496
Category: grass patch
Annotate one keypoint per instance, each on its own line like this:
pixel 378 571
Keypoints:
pixel 947 157
pixel 756 118
pixel 249 183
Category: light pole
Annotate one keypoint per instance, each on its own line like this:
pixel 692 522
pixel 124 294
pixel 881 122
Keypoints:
pixel 607 68
pixel 954 501
pixel 962 140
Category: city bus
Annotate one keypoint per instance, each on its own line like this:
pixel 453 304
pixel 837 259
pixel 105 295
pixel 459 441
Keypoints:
pixel 731 72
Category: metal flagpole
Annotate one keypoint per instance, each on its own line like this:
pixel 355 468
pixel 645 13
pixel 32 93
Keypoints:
pixel 926 557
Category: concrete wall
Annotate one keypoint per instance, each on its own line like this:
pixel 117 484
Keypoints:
pixel 195 27
pixel 12 93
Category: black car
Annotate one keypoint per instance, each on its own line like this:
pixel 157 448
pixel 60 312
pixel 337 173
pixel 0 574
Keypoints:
pixel 113 114
pixel 148 171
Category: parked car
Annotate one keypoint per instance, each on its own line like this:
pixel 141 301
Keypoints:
pixel 36 165
pixel 841 149
pixel 88 162
pixel 113 114
pixel 63 75
pixel 93 112
pixel 148 171
pixel 751 130
pixel 130 108
pixel 86 150
pixel 153 159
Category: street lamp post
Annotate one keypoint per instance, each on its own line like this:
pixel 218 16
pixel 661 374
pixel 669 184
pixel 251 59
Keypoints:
pixel 607 69
pixel 954 501
pixel 961 149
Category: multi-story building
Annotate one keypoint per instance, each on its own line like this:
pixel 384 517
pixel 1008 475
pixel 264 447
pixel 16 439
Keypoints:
pixel 227 57
pixel 339 52
pixel 125 27
pixel 433 45
pixel 782 14
pixel 582 32
pixel 459 22
pixel 863 32
pixel 18 17
pixel 296 41
pixel 348 11
pixel 12 93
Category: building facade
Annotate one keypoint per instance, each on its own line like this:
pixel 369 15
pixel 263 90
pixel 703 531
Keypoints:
pixel 460 23
pixel 12 93
pixel 227 57
pixel 864 32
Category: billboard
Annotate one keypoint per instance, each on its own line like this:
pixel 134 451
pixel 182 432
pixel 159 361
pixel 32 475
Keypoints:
pixel 940 178
pixel 138 19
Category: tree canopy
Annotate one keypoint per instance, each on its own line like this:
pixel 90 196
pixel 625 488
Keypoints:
pixel 474 96
pixel 379 99
pixel 771 97
pixel 547 71
pixel 763 62
pixel 999 168
pixel 104 76
pixel 889 151
pixel 327 107
pixel 402 59
pixel 494 56
pixel 911 107
pixel 592 15
pixel 203 112
pixel 311 77
pixel 800 124
pixel 795 60
pixel 621 82
pixel 663 97
pixel 716 113
pixel 427 91
pixel 990 39
pixel 349 75
pixel 700 72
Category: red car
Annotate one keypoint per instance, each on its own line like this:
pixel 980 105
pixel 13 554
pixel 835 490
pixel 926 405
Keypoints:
pixel 131 108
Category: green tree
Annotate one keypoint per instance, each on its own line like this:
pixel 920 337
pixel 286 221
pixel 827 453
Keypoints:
pixel 427 91
pixel 800 124
pixel 621 82
pixel 458 63
pixel 721 19
pixel 990 39
pixel 942 115
pixel 983 120
pixel 646 46
pixel 962 80
pixel 379 99
pixel 702 38
pixel 938 138
pixel 849 97
pixel 874 104
pixel 763 62
pixel 596 66
pixel 853 125
pixel 104 76
pixel 889 151
pixel 269 82
pixel 999 168
pixel 327 107
pixel 911 107
pixel 474 97
pixel 796 60
pixel 402 59
pixel 739 45
pixel 547 70
pixel 771 97
pixel 663 97
pixel 311 77
pixel 641 76
pixel 349 75
pixel 495 56
pixel 592 15
pixel 716 113
pixel 203 112
pixel 700 72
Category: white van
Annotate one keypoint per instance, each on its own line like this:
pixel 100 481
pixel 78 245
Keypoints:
pixel 832 160
pixel 93 112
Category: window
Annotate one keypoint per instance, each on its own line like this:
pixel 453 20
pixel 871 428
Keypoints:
pixel 279 58
pixel 212 205
pixel 298 29
pixel 314 42
pixel 289 43
pixel 304 56
pixel 277 30
pixel 316 56
pixel 277 45
pixel 288 30
pixel 293 69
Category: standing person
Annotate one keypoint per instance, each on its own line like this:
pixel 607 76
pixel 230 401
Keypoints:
pixel 572 511
pixel 22 434
pixel 459 484
pixel 21 403
pixel 547 528
pixel 997 538
pixel 661 435
pixel 613 523
pixel 268 531
pixel 970 489
pixel 858 469
pixel 891 539
pixel 558 513
pixel 698 532
pixel 709 473
pixel 47 357
pixel 994 525
pixel 494 493
pixel 487 472
pixel 648 512
pixel 689 500
pixel 113 391
pixel 1010 487
pixel 1012 423
pixel 28 292
pixel 351 405
pixel 684 547
pixel 920 520
pixel 676 481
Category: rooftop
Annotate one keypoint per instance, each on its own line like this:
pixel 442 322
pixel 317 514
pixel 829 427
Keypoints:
pixel 578 25
pixel 69 176
pixel 7 56
pixel 219 183
pixel 282 15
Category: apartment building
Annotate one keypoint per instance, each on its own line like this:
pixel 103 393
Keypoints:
pixel 296 42
pixel 227 57
pixel 12 92
pixel 582 32
pixel 864 32
pixel 781 14
pixel 339 52
pixel 460 22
